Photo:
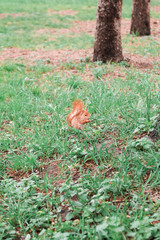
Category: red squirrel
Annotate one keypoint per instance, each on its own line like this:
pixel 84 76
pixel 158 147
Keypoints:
pixel 79 115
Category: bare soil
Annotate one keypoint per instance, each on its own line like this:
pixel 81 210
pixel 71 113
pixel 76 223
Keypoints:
pixel 63 12
pixel 156 9
pixel 56 57
pixel 3 15
pixel 78 28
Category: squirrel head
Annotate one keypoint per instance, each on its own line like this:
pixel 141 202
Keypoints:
pixel 84 116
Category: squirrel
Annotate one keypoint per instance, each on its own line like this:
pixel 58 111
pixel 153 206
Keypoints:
pixel 79 115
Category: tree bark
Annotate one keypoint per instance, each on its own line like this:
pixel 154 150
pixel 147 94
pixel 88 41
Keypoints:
pixel 140 23
pixel 107 46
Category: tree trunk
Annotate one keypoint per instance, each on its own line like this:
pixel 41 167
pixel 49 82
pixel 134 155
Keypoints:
pixel 140 23
pixel 107 46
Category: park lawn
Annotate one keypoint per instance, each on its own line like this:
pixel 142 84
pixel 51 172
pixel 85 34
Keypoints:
pixel 57 182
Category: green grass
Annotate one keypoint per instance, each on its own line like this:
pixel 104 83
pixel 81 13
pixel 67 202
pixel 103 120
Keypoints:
pixel 109 170
pixel 21 31
pixel 35 127
pixel 145 46
pixel 73 42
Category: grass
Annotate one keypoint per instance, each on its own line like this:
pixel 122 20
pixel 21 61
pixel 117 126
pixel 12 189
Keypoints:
pixel 21 31
pixel 109 171
pixel 146 46
pixel 70 42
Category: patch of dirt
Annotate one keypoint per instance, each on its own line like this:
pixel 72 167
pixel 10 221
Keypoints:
pixel 141 62
pixel 78 27
pixel 155 28
pixel 5 125
pixel 56 31
pixel 3 15
pixel 53 171
pixel 88 27
pixel 54 56
pixel 153 194
pixel 14 15
pixel 18 175
pixel 88 74
pixel 63 12
pixel 156 9
pixel 117 73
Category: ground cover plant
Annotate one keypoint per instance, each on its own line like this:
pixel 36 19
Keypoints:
pixel 57 182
